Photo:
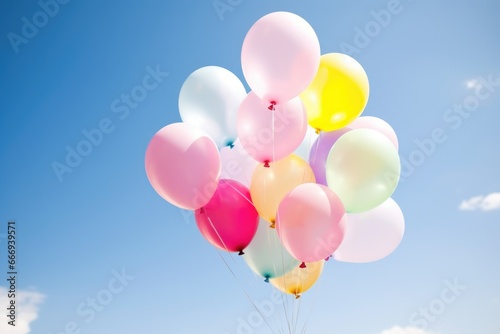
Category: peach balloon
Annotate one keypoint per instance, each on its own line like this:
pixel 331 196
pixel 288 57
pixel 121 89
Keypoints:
pixel 270 184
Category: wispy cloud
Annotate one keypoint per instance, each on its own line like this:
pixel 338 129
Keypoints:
pixel 27 302
pixel 405 330
pixel 484 203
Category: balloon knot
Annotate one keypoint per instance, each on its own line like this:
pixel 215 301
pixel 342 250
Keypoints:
pixel 328 258
pixel 202 210
pixel 266 163
pixel 241 252
pixel 303 265
pixel 231 145
pixel 273 224
pixel 266 280
pixel 317 131
pixel 297 296
pixel 271 107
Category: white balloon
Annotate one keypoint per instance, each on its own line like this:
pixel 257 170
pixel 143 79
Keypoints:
pixel 237 164
pixel 266 255
pixel 305 147
pixel 209 99
pixel 371 235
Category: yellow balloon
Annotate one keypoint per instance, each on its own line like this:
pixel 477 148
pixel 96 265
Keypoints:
pixel 270 184
pixel 338 94
pixel 299 280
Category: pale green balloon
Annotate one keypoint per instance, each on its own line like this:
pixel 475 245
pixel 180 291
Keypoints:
pixel 363 169
pixel 266 255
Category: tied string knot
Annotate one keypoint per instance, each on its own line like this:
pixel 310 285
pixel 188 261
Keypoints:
pixel 271 107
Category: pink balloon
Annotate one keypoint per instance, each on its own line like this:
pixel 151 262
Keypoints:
pixel 375 123
pixel 270 135
pixel 237 164
pixel 372 235
pixel 309 222
pixel 280 56
pixel 183 165
pixel 229 221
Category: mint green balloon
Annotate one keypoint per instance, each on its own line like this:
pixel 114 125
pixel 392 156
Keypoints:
pixel 363 169
pixel 266 255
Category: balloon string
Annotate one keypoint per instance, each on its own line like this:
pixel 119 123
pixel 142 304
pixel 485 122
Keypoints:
pixel 310 312
pixel 239 192
pixel 218 235
pixel 245 292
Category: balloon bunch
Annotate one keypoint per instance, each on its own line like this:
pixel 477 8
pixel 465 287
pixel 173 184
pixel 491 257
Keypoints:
pixel 232 158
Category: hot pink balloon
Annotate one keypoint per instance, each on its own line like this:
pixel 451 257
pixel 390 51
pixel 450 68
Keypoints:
pixel 280 56
pixel 229 221
pixel 372 235
pixel 270 135
pixel 375 123
pixel 183 165
pixel 309 222
pixel 320 150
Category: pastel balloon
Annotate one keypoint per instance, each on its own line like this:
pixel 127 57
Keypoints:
pixel 309 222
pixel 299 280
pixel 266 256
pixel 306 144
pixel 375 123
pixel 270 135
pixel 280 56
pixel 237 164
pixel 338 94
pixel 363 169
pixel 209 99
pixel 229 220
pixel 372 235
pixel 270 184
pixel 183 165
pixel 319 152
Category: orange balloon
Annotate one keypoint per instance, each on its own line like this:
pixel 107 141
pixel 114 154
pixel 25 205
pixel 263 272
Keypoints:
pixel 299 280
pixel 270 184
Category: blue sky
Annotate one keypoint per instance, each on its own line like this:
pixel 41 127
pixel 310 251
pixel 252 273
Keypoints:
pixel 101 232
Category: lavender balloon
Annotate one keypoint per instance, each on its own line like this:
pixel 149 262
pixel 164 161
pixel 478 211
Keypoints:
pixel 319 152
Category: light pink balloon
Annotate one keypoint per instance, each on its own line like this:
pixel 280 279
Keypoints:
pixel 309 222
pixel 183 165
pixel 270 135
pixel 375 123
pixel 237 164
pixel 372 235
pixel 280 56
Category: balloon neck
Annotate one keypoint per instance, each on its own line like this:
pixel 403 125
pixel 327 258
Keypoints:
pixel 266 163
pixel 202 210
pixel 317 131
pixel 328 258
pixel 303 265
pixel 266 280
pixel 231 145
pixel 273 224
pixel 241 253
pixel 297 296
pixel 271 107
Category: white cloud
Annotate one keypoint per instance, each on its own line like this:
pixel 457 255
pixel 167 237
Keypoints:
pixel 27 302
pixel 405 330
pixel 484 203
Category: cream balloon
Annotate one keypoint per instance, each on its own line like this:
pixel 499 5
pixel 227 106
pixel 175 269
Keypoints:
pixel 371 235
